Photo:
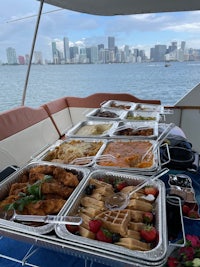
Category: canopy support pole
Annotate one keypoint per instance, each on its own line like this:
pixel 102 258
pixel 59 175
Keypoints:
pixel 32 50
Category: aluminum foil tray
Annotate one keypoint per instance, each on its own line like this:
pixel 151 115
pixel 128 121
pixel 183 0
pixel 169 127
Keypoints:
pixel 115 104
pixel 141 116
pixel 85 150
pixel 153 257
pixel 97 129
pixel 81 174
pixel 149 107
pixel 105 114
pixel 136 130
pixel 126 154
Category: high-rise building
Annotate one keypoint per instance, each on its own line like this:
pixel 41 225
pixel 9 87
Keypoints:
pixel 11 56
pixel 92 54
pixel 57 55
pixel 152 54
pixel 38 57
pixel 172 47
pixel 183 45
pixel 160 51
pixel 111 43
pixel 21 60
pixel 27 58
pixel 100 46
pixel 66 50
pixel 73 53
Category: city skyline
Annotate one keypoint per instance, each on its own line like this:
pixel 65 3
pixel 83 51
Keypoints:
pixel 106 53
pixel 17 22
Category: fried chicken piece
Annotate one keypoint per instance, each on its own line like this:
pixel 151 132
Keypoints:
pixel 9 200
pixel 66 178
pixel 45 169
pixel 44 207
pixel 24 177
pixel 35 176
pixel 17 188
pixel 56 188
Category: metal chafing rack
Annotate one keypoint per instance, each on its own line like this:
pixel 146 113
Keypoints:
pixel 97 129
pixel 136 130
pixel 134 115
pixel 154 257
pixel 15 178
pixel 117 155
pixel 106 114
pixel 121 105
pixel 86 160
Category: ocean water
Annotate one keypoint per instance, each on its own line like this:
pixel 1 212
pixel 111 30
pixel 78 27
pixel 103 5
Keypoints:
pixel 145 81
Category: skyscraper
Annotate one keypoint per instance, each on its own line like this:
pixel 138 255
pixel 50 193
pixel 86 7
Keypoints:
pixel 66 50
pixel 183 45
pixel 11 56
pixel 57 55
pixel 38 57
pixel 111 43
pixel 160 51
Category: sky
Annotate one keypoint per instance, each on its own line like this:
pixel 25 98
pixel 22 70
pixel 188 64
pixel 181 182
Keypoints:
pixel 17 25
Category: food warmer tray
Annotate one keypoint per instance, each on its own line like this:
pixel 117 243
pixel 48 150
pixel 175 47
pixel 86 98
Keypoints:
pixel 115 104
pixel 83 162
pixel 149 107
pixel 141 116
pixel 153 257
pixel 134 125
pixel 118 145
pixel 54 243
pixel 93 115
pixel 74 132
pixel 81 173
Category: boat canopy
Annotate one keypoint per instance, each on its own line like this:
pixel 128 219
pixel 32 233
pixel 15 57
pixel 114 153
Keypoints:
pixel 125 7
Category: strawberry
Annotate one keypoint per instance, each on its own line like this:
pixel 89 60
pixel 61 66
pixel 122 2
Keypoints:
pixel 148 233
pixel 104 235
pixel 193 214
pixel 120 185
pixel 95 225
pixel 147 217
pixel 151 190
pixel 72 228
pixel 185 210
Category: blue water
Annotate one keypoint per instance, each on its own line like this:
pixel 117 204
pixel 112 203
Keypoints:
pixel 48 82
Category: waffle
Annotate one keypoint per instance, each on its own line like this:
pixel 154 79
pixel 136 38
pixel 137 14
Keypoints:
pixel 115 221
pixel 136 215
pixel 86 233
pixel 141 205
pixel 104 191
pixel 92 202
pixel 90 211
pixel 99 184
pixel 136 226
pixel 133 234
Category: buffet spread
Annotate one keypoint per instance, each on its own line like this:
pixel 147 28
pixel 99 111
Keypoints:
pixel 116 148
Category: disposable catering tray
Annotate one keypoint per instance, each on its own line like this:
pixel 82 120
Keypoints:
pixel 105 114
pixel 47 171
pixel 115 104
pixel 73 151
pixel 136 130
pixel 92 128
pixel 155 256
pixel 130 155
pixel 149 107
pixel 141 116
